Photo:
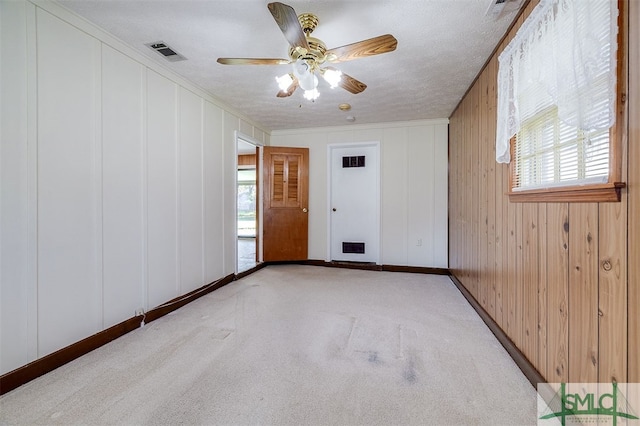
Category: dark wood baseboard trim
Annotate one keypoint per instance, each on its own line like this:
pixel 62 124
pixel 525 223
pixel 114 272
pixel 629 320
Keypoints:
pixel 366 266
pixel 518 357
pixel 416 269
pixel 18 377
pixel 46 364
pixel 250 271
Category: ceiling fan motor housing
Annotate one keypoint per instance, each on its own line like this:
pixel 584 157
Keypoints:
pixel 314 56
pixel 308 22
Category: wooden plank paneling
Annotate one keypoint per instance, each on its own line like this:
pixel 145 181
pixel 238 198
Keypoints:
pixel 557 262
pixel 247 160
pixel 562 280
pixel 542 288
pixel 475 200
pixel 583 292
pixel 633 231
pixel 511 288
pixel 612 292
pixel 518 310
pixel 501 202
pixel 483 196
pixel 487 137
pixel 530 281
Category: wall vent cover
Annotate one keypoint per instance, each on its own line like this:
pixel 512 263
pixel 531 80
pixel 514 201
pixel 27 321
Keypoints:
pixel 498 8
pixel 168 53
pixel 357 161
pixel 357 248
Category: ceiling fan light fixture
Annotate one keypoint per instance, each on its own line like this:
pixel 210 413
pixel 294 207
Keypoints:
pixel 332 77
pixel 301 68
pixel 307 54
pixel 308 82
pixel 311 95
pixel 284 82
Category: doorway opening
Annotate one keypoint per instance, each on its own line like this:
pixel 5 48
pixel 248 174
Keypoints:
pixel 247 203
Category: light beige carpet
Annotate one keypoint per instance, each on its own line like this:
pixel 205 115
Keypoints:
pixel 295 345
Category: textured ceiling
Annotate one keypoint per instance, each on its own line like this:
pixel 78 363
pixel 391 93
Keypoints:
pixel 442 44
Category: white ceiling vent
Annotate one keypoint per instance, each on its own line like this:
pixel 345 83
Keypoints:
pixel 169 54
pixel 498 8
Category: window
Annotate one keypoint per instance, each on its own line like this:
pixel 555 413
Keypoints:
pixel 557 99
pixel 247 203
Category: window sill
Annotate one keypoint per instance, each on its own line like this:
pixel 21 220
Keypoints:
pixel 601 193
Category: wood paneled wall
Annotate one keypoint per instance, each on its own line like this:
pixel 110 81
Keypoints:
pixel 562 280
pixel 247 160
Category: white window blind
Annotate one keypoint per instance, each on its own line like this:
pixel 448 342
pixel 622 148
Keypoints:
pixel 557 93
pixel 551 153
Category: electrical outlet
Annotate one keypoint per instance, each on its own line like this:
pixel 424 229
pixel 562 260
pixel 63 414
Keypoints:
pixel 419 242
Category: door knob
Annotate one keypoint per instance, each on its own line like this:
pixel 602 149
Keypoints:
pixel 334 209
pixel 304 209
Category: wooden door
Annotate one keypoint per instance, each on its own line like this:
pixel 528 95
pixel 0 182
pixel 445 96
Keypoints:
pixel 286 195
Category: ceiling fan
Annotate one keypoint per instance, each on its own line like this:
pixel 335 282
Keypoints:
pixel 308 55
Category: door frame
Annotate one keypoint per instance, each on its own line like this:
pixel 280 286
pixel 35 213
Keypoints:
pixel 248 139
pixel 330 148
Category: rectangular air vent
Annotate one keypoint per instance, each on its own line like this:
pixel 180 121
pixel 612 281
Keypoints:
pixel 168 53
pixel 499 8
pixel 356 248
pixel 357 161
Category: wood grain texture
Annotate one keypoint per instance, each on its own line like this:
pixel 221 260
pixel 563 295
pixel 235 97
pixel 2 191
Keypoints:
pixel 350 84
pixel 253 61
pixel 612 292
pixel 557 265
pixel 285 203
pixel 361 49
pixel 484 279
pixel 541 329
pixel 247 160
pixel 530 281
pixel 633 231
pixel 583 322
pixel 475 176
pixel 518 310
pixel 501 206
pixel 583 292
pixel 287 20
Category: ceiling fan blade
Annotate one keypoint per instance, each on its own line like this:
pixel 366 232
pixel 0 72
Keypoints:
pixel 292 88
pixel 349 83
pixel 352 85
pixel 253 61
pixel 373 46
pixel 287 20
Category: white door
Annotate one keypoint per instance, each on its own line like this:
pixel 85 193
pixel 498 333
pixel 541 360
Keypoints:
pixel 354 207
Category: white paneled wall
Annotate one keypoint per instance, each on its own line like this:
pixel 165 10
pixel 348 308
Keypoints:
pixel 18 267
pixel 191 208
pixel 413 185
pixel 162 188
pixel 117 182
pixel 214 193
pixel 69 189
pixel 123 184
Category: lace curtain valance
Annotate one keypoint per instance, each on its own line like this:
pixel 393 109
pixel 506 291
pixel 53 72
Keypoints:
pixel 564 55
